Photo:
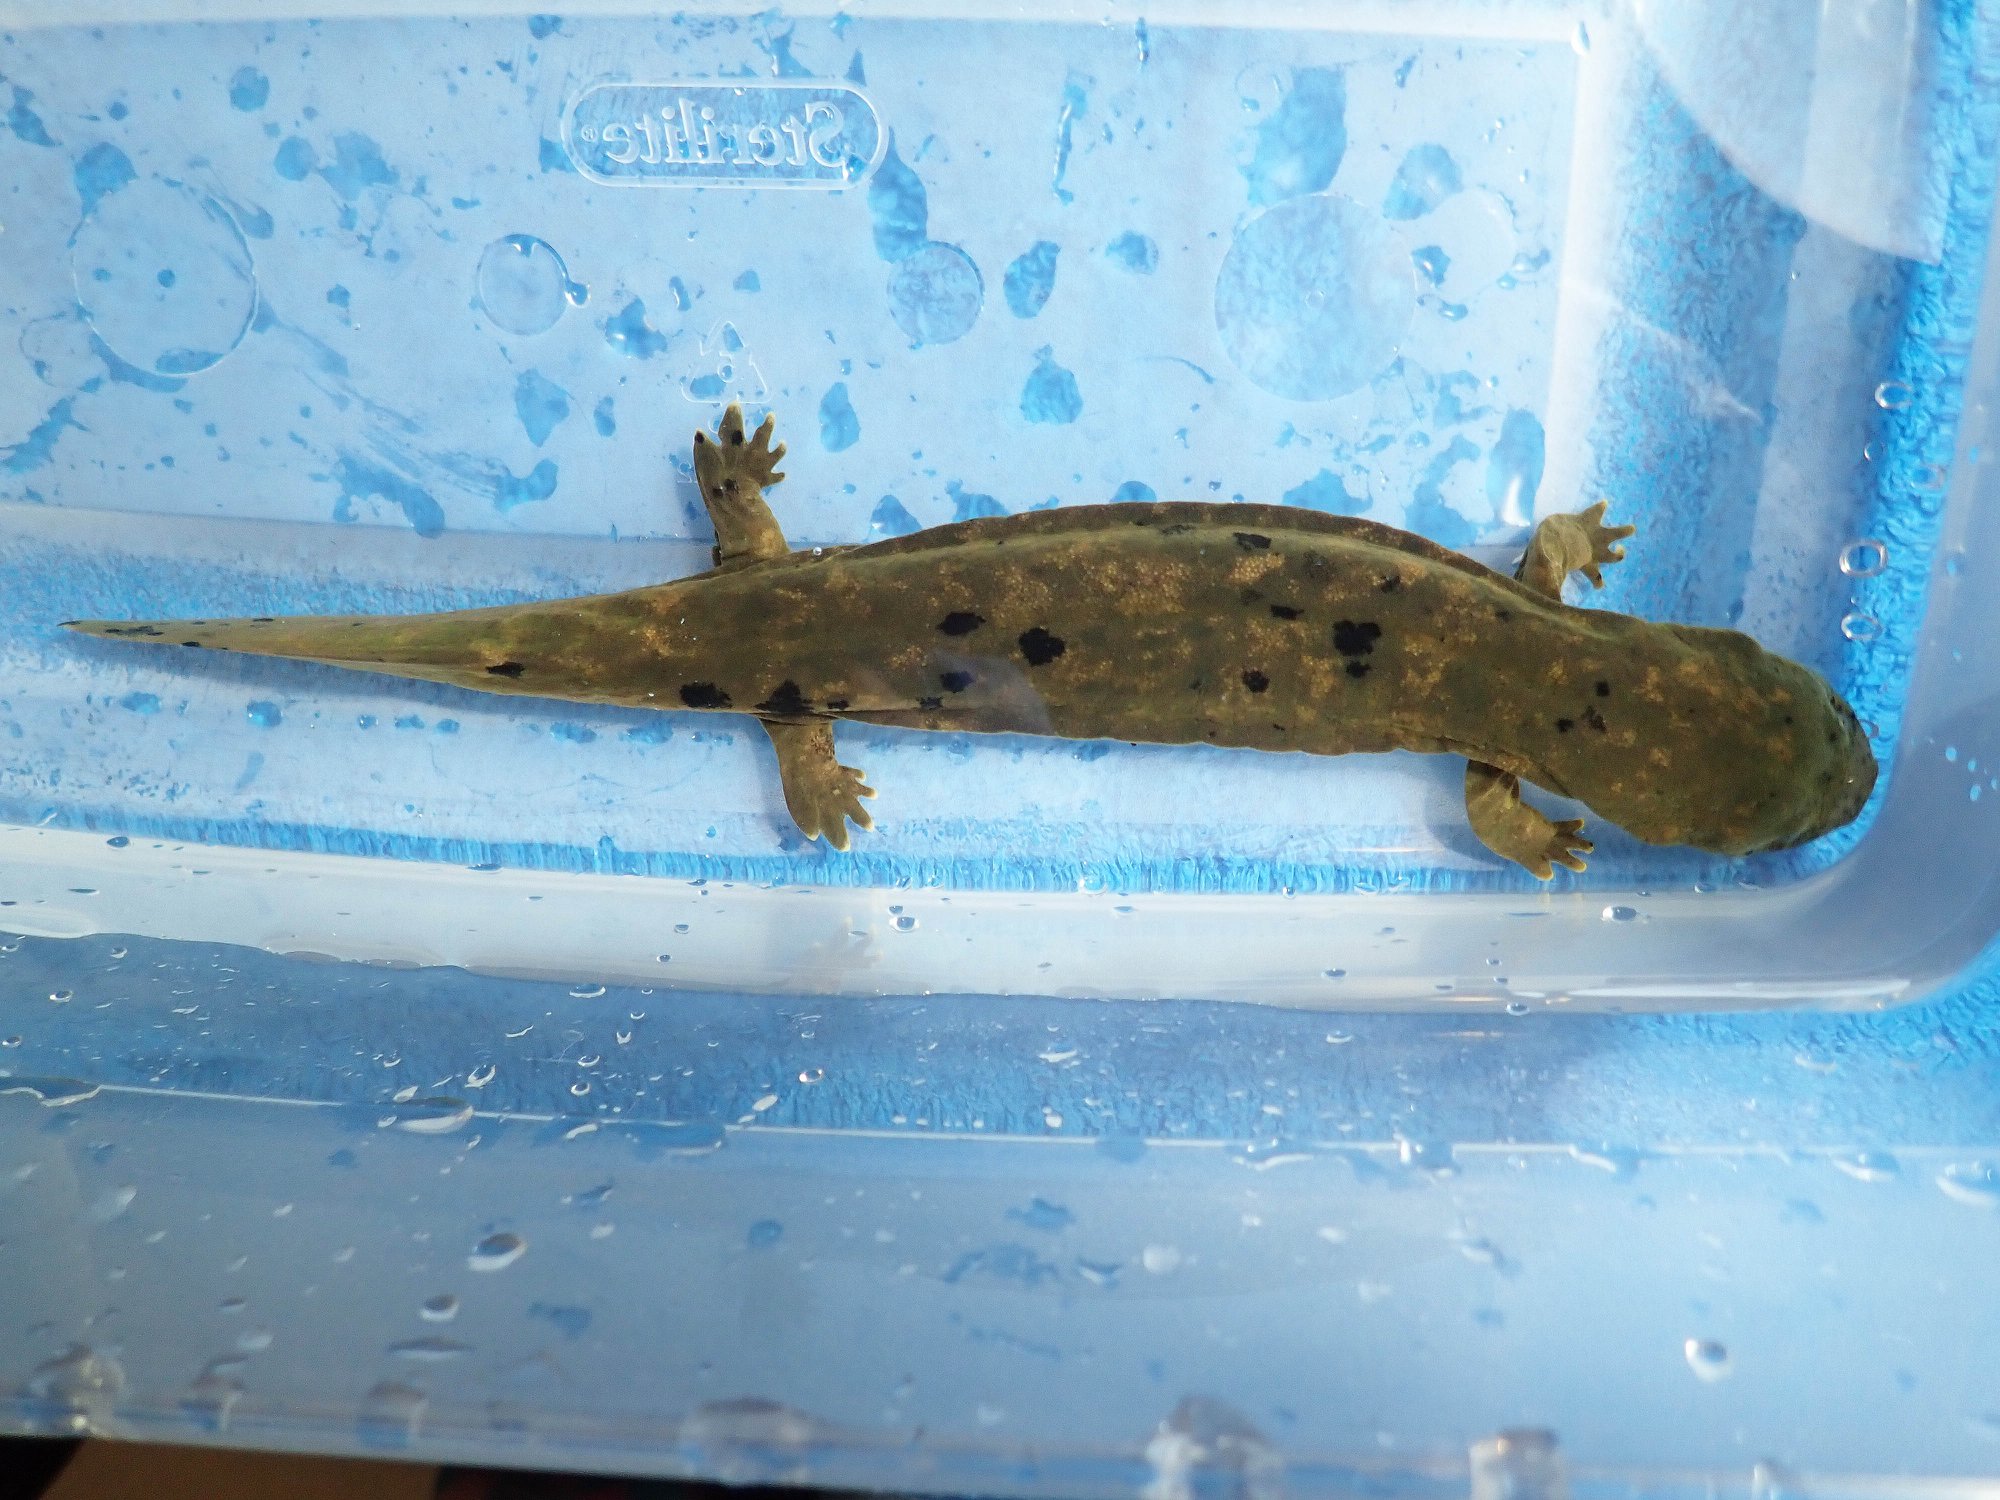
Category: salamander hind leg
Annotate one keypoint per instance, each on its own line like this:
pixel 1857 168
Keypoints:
pixel 1514 830
pixel 820 793
pixel 1576 542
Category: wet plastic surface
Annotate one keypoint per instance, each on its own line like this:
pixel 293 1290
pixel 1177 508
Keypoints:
pixel 385 1068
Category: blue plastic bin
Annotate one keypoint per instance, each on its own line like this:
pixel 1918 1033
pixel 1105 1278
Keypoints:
pixel 390 1068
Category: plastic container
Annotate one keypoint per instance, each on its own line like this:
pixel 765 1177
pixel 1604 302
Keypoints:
pixel 392 1067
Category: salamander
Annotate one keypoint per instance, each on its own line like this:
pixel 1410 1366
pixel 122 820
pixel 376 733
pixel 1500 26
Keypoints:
pixel 1261 627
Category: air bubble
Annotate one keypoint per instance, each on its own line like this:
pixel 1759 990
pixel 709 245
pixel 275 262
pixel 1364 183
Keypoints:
pixel 1863 559
pixel 1860 626
pixel 1929 477
pixel 904 924
pixel 439 1309
pixel 1579 40
pixel 1621 914
pixel 812 1075
pixel 587 992
pixel 1708 1359
pixel 1160 1259
pixel 1893 395
pixel 1517 1007
pixel 62 997
pixel 480 1076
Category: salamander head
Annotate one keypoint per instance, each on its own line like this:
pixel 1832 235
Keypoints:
pixel 1793 762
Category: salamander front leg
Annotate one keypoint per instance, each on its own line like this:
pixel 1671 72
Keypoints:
pixel 820 793
pixel 1514 830
pixel 1578 542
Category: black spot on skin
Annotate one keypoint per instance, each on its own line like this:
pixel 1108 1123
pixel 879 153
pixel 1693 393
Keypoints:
pixel 1249 596
pixel 1603 689
pixel 703 695
pixel 955 682
pixel 700 437
pixel 1564 726
pixel 835 705
pixel 1350 639
pixel 506 669
pixel 1502 615
pixel 1176 528
pixel 1252 541
pixel 190 643
pixel 1357 669
pixel 786 700
pixel 930 703
pixel 736 440
pixel 1390 584
pixel 264 620
pixel 132 630
pixel 1594 719
pixel 961 622
pixel 1255 680
pixel 1041 648
pixel 1286 611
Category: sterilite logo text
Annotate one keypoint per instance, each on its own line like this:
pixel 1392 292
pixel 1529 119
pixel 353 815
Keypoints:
pixel 806 134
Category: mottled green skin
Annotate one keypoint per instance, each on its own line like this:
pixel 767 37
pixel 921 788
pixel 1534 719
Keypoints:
pixel 1243 625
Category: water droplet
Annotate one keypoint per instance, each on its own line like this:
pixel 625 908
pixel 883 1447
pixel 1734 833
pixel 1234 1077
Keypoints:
pixel 523 285
pixel 51 1092
pixel 213 1395
pixel 112 1204
pixel 580 1087
pixel 1333 973
pixel 436 1116
pixel 429 1350
pixel 1708 1359
pixel 1893 395
pixel 1207 1447
pixel 439 1309
pixel 1427 1156
pixel 1517 1464
pixel 1863 559
pixel 1160 1259
pixel 1517 1007
pixel 586 992
pixel 904 924
pixel 62 997
pixel 1620 913
pixel 10 1041
pixel 82 1384
pixel 1293 347
pixel 589 1060
pixel 1869 1166
pixel 1975 1184
pixel 480 1076
pixel 497 1252
pixel 1858 626
pixel 390 1415
pixel 812 1075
